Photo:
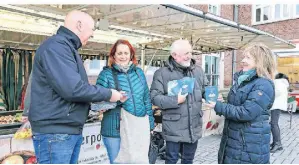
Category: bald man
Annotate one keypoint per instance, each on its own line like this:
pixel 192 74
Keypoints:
pixel 60 93
pixel 182 114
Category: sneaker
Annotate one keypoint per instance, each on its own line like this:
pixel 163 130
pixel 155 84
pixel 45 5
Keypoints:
pixel 271 145
pixel 276 148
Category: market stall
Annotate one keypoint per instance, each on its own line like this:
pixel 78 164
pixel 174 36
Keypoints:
pixel 288 63
pixel 150 28
pixel 93 150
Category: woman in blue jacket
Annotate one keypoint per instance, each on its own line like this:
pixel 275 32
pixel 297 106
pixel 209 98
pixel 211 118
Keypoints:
pixel 246 132
pixel 122 74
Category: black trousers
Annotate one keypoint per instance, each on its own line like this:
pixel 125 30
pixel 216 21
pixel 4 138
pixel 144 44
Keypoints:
pixel 275 127
pixel 187 151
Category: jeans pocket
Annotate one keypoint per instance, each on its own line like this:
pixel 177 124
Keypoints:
pixel 35 137
pixel 36 144
pixel 61 137
pixel 61 147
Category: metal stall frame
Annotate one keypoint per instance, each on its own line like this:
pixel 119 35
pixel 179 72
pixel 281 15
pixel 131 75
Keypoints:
pixel 156 27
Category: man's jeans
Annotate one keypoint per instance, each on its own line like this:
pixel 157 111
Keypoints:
pixel 187 151
pixel 57 148
pixel 112 145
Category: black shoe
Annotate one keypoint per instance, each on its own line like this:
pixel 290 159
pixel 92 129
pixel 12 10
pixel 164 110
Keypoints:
pixel 276 148
pixel 271 145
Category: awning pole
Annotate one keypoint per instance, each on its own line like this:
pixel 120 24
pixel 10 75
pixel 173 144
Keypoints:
pixel 234 54
pixel 142 56
pixel 211 17
pixel 151 61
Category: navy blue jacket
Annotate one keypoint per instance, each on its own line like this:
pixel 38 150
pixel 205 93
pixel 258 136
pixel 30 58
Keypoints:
pixel 139 103
pixel 246 132
pixel 60 93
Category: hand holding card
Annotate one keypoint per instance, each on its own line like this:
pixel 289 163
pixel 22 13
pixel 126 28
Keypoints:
pixel 124 97
pixel 99 106
pixel 211 94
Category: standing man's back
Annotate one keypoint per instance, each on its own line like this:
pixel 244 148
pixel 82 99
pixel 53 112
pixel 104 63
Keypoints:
pixel 60 93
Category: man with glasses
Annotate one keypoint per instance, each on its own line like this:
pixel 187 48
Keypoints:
pixel 181 113
pixel 60 93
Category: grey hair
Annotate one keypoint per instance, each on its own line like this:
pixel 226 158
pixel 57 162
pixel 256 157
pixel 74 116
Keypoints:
pixel 176 44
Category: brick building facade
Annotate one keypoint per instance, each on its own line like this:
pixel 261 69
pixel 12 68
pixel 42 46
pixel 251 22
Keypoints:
pixel 285 27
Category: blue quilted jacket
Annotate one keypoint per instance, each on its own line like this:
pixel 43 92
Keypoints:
pixel 246 133
pixel 139 104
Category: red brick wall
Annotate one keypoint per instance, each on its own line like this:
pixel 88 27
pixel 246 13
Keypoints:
pixel 200 7
pixel 245 14
pixel 227 68
pixel 227 12
pixel 288 29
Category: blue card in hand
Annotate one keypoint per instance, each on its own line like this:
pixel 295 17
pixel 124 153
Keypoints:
pixel 185 84
pixel 127 94
pixel 211 94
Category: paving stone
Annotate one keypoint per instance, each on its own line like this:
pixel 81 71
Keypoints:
pixel 288 160
pixel 279 160
pixel 295 161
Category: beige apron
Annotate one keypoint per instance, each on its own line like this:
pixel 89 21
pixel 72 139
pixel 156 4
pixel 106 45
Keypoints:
pixel 135 139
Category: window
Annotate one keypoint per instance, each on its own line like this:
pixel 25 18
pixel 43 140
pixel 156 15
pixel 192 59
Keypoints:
pixel 297 10
pixel 211 68
pixel 276 12
pixel 214 9
pixel 266 14
pixel 285 11
pixel 258 15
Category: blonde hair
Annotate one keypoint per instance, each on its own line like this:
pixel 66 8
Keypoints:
pixel 264 59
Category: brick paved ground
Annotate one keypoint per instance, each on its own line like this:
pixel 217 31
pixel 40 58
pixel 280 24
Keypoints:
pixel 208 146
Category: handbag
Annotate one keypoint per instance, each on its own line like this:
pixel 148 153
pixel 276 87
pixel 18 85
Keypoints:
pixel 153 151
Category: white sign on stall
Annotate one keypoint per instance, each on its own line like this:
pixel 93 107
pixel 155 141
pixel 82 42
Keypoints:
pixel 21 145
pixel 93 150
pixel 5 146
pixel 94 67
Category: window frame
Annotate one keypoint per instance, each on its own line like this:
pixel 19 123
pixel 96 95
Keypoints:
pixel 218 9
pixel 217 66
pixel 291 8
